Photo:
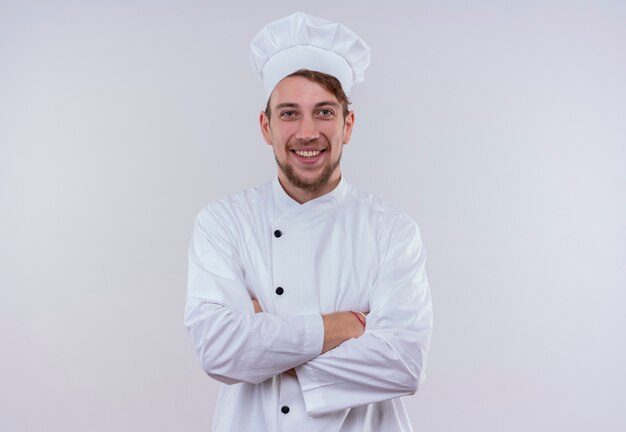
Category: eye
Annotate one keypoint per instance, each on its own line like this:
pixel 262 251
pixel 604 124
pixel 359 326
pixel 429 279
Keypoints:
pixel 326 112
pixel 288 114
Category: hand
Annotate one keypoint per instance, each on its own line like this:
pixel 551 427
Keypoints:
pixel 339 327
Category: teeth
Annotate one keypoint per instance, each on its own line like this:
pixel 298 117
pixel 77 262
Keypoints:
pixel 311 153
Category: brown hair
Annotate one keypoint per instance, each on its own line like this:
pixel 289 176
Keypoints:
pixel 329 82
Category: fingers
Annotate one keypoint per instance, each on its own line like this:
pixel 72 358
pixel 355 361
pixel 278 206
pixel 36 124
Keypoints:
pixel 257 306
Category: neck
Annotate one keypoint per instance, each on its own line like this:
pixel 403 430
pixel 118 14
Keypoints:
pixel 303 195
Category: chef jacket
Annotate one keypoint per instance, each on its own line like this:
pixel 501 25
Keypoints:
pixel 343 251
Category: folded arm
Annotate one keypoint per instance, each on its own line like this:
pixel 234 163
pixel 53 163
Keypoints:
pixel 233 343
pixel 388 360
pixel 354 368
pixel 338 328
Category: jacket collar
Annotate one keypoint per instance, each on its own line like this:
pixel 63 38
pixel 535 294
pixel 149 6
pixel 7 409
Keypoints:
pixel 285 203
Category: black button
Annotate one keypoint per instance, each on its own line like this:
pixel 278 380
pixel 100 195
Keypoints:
pixel 277 233
pixel 285 409
pixel 280 290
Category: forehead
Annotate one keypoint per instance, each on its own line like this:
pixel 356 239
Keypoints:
pixel 301 91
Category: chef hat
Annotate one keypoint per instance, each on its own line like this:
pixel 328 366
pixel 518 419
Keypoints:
pixel 302 41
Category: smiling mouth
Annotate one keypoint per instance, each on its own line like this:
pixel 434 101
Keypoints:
pixel 308 153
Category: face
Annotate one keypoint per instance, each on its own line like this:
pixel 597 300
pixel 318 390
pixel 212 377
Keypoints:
pixel 307 131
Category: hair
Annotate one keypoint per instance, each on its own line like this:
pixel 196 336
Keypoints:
pixel 329 82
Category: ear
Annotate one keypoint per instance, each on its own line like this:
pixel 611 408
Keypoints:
pixel 264 123
pixel 347 127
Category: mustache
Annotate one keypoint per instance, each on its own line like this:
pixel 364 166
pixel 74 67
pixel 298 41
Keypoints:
pixel 319 143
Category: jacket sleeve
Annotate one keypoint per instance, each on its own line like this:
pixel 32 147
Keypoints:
pixel 233 343
pixel 388 360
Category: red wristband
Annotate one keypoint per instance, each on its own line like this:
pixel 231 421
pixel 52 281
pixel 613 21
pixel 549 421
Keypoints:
pixel 361 320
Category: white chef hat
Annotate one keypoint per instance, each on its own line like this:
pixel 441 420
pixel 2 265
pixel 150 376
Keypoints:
pixel 301 41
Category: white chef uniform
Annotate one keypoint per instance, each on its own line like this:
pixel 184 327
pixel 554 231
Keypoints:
pixel 343 251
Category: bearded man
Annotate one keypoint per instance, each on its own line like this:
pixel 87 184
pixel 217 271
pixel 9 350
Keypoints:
pixel 306 297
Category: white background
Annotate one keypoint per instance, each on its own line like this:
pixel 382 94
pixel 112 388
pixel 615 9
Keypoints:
pixel 499 126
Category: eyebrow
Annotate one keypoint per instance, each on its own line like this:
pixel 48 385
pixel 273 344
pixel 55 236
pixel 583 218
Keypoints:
pixel 317 105
pixel 327 103
pixel 286 105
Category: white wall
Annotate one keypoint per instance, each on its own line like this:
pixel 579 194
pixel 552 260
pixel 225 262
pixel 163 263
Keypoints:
pixel 500 126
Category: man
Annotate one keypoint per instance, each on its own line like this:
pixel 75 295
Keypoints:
pixel 306 297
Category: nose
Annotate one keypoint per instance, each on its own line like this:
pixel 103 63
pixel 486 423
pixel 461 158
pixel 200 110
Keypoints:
pixel 307 129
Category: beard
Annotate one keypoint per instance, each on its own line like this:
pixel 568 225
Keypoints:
pixel 312 185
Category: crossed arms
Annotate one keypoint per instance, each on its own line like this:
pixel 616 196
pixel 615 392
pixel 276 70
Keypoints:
pixel 338 328
pixel 338 365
